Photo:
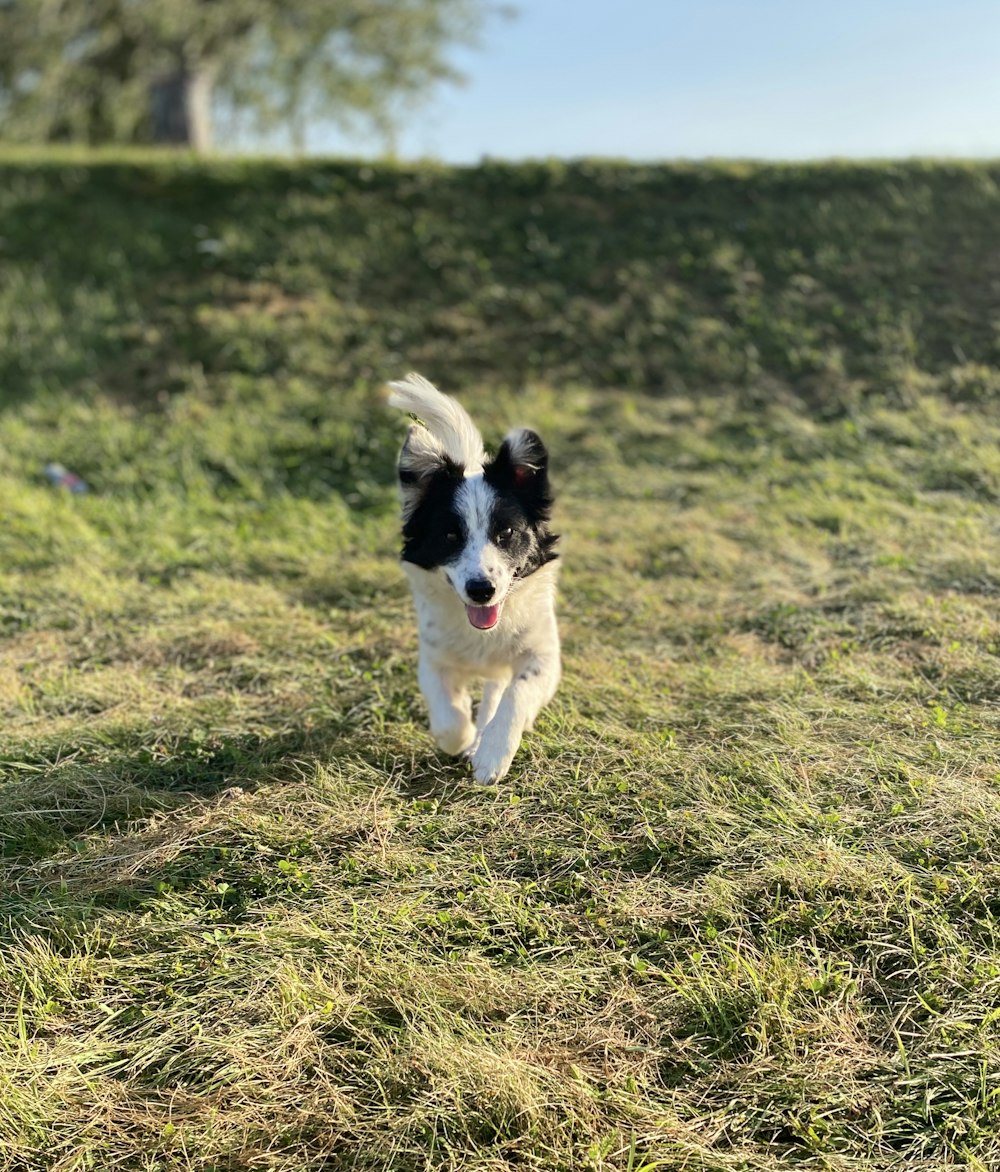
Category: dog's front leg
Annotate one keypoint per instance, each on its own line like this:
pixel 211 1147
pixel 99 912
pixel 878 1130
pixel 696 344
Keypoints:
pixel 449 707
pixel 532 687
pixel 492 691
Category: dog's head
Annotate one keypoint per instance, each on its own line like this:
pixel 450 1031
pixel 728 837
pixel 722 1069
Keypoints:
pixel 484 532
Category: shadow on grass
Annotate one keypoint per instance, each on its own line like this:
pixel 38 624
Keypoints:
pixel 60 873
pixel 50 799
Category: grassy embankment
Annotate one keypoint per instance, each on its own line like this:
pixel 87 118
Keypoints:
pixel 734 907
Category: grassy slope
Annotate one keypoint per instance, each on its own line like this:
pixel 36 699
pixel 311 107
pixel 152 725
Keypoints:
pixel 834 279
pixel 734 906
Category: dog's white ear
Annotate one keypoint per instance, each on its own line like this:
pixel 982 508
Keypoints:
pixel 421 457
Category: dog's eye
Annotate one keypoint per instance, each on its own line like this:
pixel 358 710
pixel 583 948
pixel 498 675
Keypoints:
pixel 504 536
pixel 452 537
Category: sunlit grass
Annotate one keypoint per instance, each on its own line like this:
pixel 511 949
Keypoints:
pixel 733 908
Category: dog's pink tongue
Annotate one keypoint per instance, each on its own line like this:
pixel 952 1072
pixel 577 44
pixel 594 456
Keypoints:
pixel 483 617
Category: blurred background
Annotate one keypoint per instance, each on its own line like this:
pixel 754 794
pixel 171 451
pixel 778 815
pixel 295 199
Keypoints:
pixel 637 79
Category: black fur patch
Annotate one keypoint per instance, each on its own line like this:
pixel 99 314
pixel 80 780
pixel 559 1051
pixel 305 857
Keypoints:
pixel 425 534
pixel 520 479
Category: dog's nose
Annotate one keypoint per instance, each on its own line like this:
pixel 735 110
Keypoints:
pixel 479 590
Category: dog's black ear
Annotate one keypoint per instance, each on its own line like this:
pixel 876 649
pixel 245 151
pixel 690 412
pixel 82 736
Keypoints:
pixel 420 460
pixel 521 468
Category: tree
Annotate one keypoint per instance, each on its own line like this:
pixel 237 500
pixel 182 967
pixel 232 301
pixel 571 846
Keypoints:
pixel 100 71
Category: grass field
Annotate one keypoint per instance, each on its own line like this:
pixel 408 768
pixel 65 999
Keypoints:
pixel 734 908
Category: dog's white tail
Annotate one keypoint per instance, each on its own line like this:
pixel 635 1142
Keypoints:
pixel 444 418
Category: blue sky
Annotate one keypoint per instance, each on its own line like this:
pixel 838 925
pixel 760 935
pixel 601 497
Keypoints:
pixel 680 79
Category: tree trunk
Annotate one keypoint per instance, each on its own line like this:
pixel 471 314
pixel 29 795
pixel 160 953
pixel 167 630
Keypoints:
pixel 180 109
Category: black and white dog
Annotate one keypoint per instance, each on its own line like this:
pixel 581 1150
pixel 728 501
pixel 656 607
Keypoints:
pixel 480 559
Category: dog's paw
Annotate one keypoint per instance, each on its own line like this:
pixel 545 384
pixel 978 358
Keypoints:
pixel 492 756
pixel 456 739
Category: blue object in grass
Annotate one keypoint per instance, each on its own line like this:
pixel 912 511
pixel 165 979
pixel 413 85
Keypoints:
pixel 61 477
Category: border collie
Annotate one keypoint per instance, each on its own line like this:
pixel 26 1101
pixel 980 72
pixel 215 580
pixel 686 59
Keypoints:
pixel 480 559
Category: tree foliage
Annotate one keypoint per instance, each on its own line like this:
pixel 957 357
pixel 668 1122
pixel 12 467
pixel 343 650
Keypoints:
pixel 85 70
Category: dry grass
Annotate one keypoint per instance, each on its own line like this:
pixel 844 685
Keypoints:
pixel 733 908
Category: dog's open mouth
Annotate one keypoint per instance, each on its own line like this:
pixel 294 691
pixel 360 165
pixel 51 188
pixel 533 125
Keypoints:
pixel 484 617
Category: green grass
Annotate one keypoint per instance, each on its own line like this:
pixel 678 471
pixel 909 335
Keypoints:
pixel 734 908
pixel 825 283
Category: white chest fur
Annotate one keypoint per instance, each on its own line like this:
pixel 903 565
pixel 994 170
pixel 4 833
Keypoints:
pixel 526 628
